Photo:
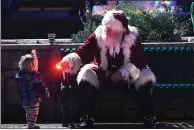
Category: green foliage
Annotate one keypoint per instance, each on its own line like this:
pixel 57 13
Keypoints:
pixel 156 26
pixel 90 26
pixel 153 26
pixel 82 35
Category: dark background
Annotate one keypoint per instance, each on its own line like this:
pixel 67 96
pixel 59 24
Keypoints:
pixel 17 24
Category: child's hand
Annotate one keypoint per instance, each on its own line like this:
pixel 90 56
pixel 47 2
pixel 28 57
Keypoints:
pixel 48 95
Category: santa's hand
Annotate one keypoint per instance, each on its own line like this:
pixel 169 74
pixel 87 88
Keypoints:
pixel 117 76
pixel 63 65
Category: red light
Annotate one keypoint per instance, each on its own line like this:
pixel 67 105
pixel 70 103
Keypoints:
pixel 58 66
pixel 62 66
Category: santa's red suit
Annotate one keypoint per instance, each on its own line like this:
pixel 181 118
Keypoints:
pixel 124 55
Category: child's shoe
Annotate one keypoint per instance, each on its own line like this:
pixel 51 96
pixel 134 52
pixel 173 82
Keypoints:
pixel 34 127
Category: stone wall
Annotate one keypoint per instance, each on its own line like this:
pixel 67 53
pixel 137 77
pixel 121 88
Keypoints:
pixel 172 64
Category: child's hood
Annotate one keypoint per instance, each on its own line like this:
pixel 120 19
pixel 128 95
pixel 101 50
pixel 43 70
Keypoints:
pixel 26 74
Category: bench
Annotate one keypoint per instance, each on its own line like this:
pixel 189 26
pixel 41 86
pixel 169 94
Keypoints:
pixel 173 93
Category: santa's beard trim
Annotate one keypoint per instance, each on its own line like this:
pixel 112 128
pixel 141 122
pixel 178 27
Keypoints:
pixel 102 41
pixel 111 40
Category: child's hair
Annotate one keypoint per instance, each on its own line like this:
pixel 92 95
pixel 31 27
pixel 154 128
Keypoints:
pixel 29 62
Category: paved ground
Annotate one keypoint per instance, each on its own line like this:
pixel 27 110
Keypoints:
pixel 24 126
pixel 169 125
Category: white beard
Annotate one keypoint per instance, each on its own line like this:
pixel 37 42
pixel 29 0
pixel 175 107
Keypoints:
pixel 113 44
pixel 111 41
pixel 128 42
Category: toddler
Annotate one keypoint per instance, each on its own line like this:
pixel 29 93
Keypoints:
pixel 31 87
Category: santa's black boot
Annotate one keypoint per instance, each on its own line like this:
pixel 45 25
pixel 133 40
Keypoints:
pixel 149 122
pixel 87 122
pixel 87 99
pixel 145 95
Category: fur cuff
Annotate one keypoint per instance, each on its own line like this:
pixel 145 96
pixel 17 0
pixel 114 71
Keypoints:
pixel 145 76
pixel 87 74
pixel 129 72
pixel 74 62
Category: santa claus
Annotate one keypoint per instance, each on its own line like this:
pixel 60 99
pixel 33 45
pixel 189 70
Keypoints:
pixel 118 57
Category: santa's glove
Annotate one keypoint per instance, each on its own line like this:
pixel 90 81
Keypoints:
pixel 129 72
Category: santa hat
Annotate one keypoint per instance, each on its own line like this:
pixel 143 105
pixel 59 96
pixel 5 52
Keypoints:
pixel 116 16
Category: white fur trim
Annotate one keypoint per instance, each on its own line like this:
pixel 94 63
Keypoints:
pixel 102 45
pixel 128 42
pixel 104 61
pixel 130 70
pixel 133 30
pixel 87 74
pixel 74 62
pixel 145 76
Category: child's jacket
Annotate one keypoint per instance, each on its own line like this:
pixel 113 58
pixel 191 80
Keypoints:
pixel 31 87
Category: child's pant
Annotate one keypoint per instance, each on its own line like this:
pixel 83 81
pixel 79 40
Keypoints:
pixel 31 114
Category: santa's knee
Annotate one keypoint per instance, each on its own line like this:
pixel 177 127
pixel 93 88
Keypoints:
pixel 87 78
pixel 88 84
pixel 145 81
pixel 87 81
